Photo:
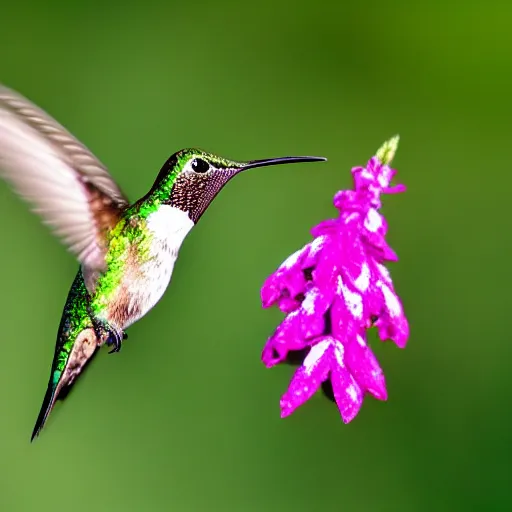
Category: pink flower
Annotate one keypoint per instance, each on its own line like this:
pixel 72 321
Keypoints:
pixel 333 290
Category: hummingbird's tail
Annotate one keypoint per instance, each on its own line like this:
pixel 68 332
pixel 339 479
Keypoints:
pixel 77 344
pixel 48 403
pixel 54 392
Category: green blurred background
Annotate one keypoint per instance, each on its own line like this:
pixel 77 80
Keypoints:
pixel 186 417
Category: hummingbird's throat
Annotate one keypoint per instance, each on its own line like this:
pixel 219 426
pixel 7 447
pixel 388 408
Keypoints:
pixel 193 193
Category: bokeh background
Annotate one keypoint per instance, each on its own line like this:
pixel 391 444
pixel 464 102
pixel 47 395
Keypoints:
pixel 186 418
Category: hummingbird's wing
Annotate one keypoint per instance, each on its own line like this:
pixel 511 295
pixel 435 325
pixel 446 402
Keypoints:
pixel 67 185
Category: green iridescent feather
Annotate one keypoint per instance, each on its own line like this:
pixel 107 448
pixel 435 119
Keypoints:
pixel 130 232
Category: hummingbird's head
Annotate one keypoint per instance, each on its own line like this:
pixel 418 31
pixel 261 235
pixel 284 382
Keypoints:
pixel 191 178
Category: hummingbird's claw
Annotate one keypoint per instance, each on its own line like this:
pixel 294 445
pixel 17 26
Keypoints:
pixel 109 334
pixel 115 338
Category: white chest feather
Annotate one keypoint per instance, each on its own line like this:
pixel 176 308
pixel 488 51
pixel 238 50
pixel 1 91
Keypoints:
pixel 168 227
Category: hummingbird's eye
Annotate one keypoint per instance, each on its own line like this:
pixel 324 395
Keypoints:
pixel 199 165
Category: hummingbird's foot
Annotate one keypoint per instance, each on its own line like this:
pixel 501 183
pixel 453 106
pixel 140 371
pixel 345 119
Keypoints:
pixel 110 335
pixel 115 338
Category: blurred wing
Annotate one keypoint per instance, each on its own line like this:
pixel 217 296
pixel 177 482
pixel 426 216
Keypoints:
pixel 68 187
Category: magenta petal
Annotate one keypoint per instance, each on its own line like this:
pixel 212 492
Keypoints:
pixel 325 228
pixel 393 323
pixel 326 272
pixel 365 368
pixel 295 282
pixel 287 305
pixel 347 393
pixel 268 356
pixel 345 200
pixel 288 276
pixel 396 330
pixel 343 324
pixel 382 273
pixel 396 189
pixel 386 252
pixel 380 250
pixel 271 290
pixel 353 258
pixel 374 166
pixel 312 312
pixel 285 338
pixel 401 334
pixel 385 175
pixel 293 260
pixel 363 177
pixel 308 377
pixel 374 300
pixel 315 248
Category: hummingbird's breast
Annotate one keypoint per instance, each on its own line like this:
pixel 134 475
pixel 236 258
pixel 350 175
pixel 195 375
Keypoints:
pixel 145 267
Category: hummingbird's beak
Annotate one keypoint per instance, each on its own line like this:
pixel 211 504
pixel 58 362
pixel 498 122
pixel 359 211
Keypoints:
pixel 282 160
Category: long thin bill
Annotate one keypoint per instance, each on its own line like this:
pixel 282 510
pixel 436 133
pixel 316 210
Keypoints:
pixel 283 160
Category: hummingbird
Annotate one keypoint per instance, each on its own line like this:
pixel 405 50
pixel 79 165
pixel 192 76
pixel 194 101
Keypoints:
pixel 126 250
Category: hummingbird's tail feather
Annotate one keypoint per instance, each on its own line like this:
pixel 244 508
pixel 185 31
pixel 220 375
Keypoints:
pixel 48 402
pixel 77 343
pixel 54 392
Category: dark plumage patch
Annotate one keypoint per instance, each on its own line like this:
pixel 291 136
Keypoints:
pixel 193 192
